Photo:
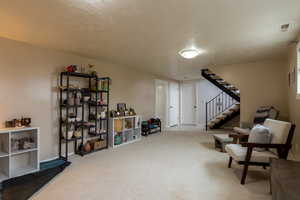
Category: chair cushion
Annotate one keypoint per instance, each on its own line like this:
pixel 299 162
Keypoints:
pixel 260 134
pixel 238 153
pixel 280 131
pixel 223 137
pixel 244 131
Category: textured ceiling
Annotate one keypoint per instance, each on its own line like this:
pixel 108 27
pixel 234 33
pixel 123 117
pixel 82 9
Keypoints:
pixel 147 34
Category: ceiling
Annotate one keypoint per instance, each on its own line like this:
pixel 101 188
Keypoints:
pixel 148 34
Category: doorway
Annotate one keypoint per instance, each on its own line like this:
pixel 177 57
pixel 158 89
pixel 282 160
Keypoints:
pixel 188 103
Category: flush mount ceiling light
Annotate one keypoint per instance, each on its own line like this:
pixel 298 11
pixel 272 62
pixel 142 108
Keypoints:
pixel 190 53
pixel 287 26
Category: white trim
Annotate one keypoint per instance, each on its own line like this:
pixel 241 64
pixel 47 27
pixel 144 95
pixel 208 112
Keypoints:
pixel 166 84
pixel 54 158
pixel 296 72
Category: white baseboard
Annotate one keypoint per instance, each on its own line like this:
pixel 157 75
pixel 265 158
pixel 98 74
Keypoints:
pixel 56 157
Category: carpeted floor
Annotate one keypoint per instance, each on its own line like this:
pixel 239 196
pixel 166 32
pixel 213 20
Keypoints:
pixel 175 165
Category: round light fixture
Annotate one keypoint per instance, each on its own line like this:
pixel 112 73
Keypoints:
pixel 190 53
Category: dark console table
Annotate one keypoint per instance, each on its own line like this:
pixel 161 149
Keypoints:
pixel 285 179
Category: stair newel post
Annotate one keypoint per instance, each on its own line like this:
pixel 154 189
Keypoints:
pixel 206 115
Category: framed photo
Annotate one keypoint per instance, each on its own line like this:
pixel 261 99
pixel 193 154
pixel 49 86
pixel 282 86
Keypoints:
pixel 293 76
pixel 289 79
pixel 121 107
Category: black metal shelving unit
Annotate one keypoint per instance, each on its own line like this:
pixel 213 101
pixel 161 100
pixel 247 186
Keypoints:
pixel 95 102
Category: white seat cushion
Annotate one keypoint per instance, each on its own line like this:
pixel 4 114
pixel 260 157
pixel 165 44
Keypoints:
pixel 238 153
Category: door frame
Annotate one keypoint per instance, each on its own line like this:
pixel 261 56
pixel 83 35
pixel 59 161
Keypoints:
pixel 178 117
pixel 158 82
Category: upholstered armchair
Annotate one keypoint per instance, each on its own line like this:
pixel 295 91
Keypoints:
pixel 246 154
pixel 261 114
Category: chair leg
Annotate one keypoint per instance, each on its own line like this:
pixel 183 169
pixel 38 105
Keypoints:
pixel 244 174
pixel 230 161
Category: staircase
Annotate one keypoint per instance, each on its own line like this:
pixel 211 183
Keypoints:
pixel 225 106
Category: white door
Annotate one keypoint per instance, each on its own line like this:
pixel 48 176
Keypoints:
pixel 188 102
pixel 161 101
pixel 173 104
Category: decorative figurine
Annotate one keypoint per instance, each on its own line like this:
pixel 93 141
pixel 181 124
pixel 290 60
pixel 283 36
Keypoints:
pixel 103 115
pixel 92 70
pixel 71 68
pixel 131 111
pixel 17 123
pixel 26 121
pixel 70 134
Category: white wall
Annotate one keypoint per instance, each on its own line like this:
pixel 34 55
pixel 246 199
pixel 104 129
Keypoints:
pixel 293 102
pixel 29 80
pixel 205 92
pixel 260 83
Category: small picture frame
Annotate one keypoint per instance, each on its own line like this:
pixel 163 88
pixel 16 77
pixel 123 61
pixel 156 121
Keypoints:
pixel 289 79
pixel 295 75
pixel 121 107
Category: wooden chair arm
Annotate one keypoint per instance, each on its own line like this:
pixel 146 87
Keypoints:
pixel 238 137
pixel 269 146
pixel 282 149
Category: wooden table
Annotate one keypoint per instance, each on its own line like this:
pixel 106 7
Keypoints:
pixel 285 179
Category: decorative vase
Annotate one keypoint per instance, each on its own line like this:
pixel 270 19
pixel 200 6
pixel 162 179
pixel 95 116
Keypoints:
pixel 103 115
pixel 70 134
pixel 87 147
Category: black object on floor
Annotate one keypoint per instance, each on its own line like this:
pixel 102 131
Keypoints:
pixel 23 187
pixel 151 126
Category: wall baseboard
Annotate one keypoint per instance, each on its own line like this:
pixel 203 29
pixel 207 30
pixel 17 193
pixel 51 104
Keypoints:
pixel 56 157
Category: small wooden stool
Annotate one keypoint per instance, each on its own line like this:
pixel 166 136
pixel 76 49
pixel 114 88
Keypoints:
pixel 221 140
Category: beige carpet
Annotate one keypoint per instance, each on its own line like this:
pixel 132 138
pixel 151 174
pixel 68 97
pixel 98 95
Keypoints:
pixel 169 166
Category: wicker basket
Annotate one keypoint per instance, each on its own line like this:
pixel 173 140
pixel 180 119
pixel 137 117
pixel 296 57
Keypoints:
pixel 98 144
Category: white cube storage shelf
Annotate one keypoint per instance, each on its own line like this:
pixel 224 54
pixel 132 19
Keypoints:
pixel 13 160
pixel 127 128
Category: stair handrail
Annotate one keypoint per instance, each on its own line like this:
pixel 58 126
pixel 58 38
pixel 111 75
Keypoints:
pixel 215 97
pixel 212 110
pixel 220 86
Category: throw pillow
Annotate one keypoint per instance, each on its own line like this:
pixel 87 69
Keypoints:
pixel 260 134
